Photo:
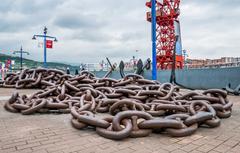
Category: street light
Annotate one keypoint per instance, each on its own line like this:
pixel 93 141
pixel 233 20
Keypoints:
pixel 45 36
pixel 21 52
pixel 55 40
pixel 34 38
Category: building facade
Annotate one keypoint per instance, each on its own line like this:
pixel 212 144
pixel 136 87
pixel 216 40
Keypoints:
pixel 211 63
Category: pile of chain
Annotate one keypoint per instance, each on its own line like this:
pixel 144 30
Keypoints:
pixel 34 78
pixel 129 107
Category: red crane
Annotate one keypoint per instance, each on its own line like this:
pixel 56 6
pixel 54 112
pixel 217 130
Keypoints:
pixel 167 20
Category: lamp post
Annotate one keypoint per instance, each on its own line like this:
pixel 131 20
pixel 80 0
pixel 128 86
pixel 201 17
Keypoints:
pixel 21 52
pixel 45 36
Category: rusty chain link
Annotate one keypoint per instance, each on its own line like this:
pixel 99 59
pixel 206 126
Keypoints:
pixel 133 106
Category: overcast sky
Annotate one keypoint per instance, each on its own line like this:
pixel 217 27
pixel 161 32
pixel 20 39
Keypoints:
pixel 90 30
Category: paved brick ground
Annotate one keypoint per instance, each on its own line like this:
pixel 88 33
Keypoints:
pixel 53 133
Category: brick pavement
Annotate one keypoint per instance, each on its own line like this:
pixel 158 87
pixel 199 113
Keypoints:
pixel 52 133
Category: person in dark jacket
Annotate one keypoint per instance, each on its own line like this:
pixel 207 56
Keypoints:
pixel 68 71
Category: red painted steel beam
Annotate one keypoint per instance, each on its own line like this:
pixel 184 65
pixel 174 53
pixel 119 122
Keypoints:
pixel 167 13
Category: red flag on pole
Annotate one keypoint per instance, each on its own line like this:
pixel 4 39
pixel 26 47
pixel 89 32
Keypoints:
pixel 49 44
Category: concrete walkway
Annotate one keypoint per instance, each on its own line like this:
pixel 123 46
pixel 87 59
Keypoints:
pixel 53 133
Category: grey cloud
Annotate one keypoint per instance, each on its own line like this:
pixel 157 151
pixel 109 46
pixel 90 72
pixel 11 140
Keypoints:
pixel 6 5
pixel 88 31
pixel 92 36
pixel 77 21
pixel 209 28
pixel 19 15
pixel 12 22
pixel 30 6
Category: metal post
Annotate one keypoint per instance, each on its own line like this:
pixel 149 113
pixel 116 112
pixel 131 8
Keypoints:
pixel 21 57
pixel 173 72
pixel 184 58
pixel 21 52
pixel 45 47
pixel 45 36
pixel 154 54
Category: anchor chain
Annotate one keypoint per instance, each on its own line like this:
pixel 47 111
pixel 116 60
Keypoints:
pixel 132 106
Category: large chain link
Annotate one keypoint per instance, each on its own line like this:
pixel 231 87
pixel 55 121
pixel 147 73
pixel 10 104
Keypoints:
pixel 135 106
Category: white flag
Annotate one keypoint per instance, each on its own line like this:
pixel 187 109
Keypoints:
pixel 40 44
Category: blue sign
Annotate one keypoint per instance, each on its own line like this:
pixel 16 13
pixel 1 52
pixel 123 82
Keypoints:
pixel 178 48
